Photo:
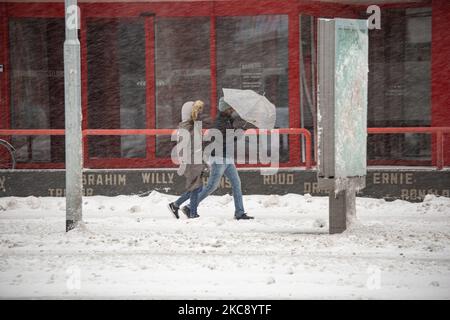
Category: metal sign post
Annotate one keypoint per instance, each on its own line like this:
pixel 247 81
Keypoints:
pixel 342 115
pixel 73 135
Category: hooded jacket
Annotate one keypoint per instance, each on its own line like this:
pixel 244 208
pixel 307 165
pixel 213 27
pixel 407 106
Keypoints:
pixel 191 171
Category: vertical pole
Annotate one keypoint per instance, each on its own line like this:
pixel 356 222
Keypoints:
pixel 150 96
pixel 337 211
pixel 293 83
pixel 440 150
pixel 342 206
pixel 5 112
pixel 72 93
pixel 213 66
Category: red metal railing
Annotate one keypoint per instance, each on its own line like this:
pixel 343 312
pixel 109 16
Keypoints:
pixel 154 132
pixel 32 132
pixel 438 131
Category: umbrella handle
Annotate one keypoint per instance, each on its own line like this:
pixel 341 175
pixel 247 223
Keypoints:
pixel 245 125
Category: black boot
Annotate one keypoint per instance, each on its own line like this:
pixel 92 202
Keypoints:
pixel 194 215
pixel 174 209
pixel 244 217
pixel 186 211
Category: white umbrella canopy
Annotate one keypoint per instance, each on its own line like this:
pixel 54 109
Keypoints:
pixel 252 107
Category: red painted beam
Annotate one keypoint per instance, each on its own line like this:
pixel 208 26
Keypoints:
pixel 409 130
pixel 32 132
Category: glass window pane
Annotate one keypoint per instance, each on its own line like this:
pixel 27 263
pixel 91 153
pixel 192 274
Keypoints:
pixel 183 73
pixel 408 146
pixel 116 86
pixel 37 86
pixel 308 105
pixel 39 148
pixel 399 83
pixel 252 53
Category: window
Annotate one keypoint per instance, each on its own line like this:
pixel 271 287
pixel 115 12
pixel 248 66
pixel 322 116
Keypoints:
pixel 37 86
pixel 182 68
pixel 399 84
pixel 116 86
pixel 252 53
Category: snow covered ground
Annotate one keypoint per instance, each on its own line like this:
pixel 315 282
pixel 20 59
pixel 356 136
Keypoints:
pixel 132 247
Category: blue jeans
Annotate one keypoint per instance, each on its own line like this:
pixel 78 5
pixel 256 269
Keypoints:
pixel 193 196
pixel 182 199
pixel 217 171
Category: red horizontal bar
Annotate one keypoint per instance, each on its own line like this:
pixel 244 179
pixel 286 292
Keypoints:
pixel 127 132
pixel 150 132
pixel 121 132
pixel 32 132
pixel 113 132
pixel 305 132
pixel 408 130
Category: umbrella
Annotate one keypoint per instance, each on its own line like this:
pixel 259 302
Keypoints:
pixel 252 107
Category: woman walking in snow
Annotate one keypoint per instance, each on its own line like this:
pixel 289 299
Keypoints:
pixel 192 172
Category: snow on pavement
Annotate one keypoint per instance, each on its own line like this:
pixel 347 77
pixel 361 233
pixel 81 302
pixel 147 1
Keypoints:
pixel 132 247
